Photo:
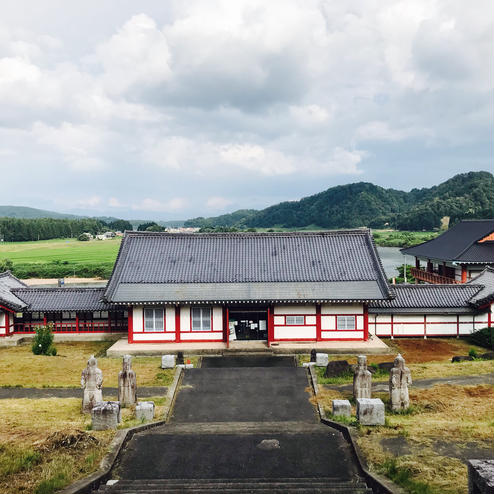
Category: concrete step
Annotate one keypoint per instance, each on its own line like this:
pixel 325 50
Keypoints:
pixel 231 486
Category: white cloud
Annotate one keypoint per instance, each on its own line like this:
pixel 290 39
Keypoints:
pixel 154 205
pixel 92 202
pixel 217 202
pixel 381 131
pixel 113 202
pixel 310 114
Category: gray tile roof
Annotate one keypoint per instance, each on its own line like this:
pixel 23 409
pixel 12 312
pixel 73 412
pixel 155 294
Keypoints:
pixel 7 298
pixel 459 243
pixel 62 299
pixel 244 258
pixel 486 294
pixel 428 298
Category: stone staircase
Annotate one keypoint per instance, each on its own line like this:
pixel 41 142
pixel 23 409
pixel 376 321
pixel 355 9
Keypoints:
pixel 231 486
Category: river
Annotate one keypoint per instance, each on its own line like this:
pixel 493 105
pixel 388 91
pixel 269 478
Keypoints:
pixel 391 258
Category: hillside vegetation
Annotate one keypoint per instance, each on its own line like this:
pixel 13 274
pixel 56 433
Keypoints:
pixel 464 196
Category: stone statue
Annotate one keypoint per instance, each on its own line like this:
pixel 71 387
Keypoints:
pixel 91 382
pixel 400 378
pixel 127 383
pixel 362 379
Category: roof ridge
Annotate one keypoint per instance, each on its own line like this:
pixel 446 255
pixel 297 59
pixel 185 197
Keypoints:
pixel 348 231
pixel 57 288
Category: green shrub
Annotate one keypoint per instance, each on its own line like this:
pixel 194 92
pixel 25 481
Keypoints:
pixel 43 341
pixel 472 353
pixel 483 337
pixel 403 477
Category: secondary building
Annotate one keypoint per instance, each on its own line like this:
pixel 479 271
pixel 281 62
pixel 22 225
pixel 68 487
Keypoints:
pixel 456 256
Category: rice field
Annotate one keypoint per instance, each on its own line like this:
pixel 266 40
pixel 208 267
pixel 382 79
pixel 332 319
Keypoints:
pixel 63 250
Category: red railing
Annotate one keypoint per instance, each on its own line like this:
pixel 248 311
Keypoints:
pixel 434 278
pixel 75 326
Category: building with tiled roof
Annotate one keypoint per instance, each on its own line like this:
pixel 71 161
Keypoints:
pixel 297 287
pixel 457 255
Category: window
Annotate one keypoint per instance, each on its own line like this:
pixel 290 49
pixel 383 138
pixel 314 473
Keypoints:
pixel 294 320
pixel 201 318
pixel 345 322
pixel 154 320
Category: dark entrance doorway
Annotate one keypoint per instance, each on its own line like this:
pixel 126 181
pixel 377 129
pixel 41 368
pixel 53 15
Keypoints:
pixel 248 324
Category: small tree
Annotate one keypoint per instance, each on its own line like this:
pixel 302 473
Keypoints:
pixel 43 341
pixel 83 237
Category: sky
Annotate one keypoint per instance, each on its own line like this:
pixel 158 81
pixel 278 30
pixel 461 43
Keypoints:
pixel 156 109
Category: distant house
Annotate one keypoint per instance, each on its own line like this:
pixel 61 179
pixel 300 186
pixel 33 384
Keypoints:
pixel 456 256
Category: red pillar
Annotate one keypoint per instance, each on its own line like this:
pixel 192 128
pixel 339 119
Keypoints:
pixel 270 325
pixel 177 323
pixel 318 323
pixel 392 327
pixel 463 273
pixel 130 325
pixel 7 323
pixel 366 322
pixel 226 319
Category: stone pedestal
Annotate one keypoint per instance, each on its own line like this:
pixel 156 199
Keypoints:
pixel 168 361
pixel 370 411
pixel 322 359
pixel 342 408
pixel 185 366
pixel 105 415
pixel 145 411
pixel 480 476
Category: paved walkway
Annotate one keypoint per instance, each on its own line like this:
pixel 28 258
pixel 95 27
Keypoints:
pixel 142 392
pixel 221 417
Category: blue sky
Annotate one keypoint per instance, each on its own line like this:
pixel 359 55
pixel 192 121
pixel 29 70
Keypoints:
pixel 169 110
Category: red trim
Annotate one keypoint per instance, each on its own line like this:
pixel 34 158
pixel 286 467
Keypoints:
pixel 6 308
pixel 296 315
pixel 366 322
pixel 7 323
pixel 130 325
pixel 392 327
pixel 463 273
pixel 270 325
pixel 318 322
pixel 192 340
pixel 425 325
pixel 489 318
pixel 177 324
pixel 226 326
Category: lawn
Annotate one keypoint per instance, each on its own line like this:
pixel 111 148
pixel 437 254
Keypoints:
pixel 61 249
pixel 46 444
pixel 21 368
pixel 425 449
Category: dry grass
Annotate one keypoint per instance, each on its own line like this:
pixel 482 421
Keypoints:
pixel 457 414
pixel 55 434
pixel 27 425
pixel 21 368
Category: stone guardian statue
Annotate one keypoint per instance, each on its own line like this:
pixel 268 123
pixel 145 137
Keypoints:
pixel 91 382
pixel 127 383
pixel 400 378
pixel 362 379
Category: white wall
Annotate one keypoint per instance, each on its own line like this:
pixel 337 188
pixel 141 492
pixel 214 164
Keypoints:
pixel 435 324
pixel 138 325
pixel 3 330
pixel 283 331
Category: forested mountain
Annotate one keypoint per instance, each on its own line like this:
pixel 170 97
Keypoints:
pixel 32 213
pixel 468 195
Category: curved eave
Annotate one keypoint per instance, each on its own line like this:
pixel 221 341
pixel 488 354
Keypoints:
pixel 224 302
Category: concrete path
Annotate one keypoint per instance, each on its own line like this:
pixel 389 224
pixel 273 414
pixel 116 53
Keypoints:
pixel 35 393
pixel 380 386
pixel 221 417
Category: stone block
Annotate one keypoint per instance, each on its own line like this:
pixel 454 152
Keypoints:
pixel 461 358
pixel 337 368
pixel 322 359
pixel 487 356
pixel 342 407
pixel 168 361
pixel 145 410
pixel 105 415
pixel 308 364
pixel 370 411
pixel 386 366
pixel 480 476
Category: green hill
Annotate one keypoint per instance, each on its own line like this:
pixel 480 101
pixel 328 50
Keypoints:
pixel 33 213
pixel 467 195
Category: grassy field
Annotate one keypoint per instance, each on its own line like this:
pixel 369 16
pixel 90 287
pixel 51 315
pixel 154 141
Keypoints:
pixel 63 249
pixel 23 369
pixel 45 444
pixel 424 449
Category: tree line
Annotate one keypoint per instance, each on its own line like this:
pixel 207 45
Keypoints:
pixel 22 230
